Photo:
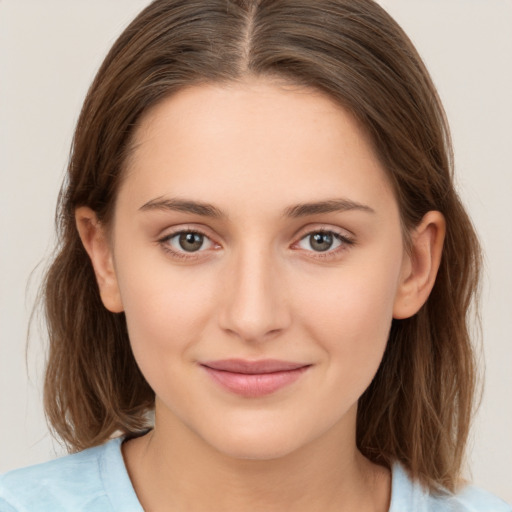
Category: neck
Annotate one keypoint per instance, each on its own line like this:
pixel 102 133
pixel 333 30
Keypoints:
pixel 174 469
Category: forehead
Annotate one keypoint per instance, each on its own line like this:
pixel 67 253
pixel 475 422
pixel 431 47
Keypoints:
pixel 245 141
pixel 257 108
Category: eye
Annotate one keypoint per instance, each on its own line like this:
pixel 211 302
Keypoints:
pixel 187 241
pixel 324 241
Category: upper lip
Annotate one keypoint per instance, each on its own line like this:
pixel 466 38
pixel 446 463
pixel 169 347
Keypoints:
pixel 253 367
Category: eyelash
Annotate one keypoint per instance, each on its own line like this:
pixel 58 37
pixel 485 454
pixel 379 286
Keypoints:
pixel 177 254
pixel 345 243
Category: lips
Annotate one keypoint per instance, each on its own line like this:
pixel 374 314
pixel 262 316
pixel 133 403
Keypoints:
pixel 253 379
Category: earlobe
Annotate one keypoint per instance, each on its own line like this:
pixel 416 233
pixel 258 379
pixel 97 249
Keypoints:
pixel 420 266
pixel 95 241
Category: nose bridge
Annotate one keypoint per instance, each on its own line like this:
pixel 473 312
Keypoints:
pixel 254 304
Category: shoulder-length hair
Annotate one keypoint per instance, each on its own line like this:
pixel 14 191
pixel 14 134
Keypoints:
pixel 417 409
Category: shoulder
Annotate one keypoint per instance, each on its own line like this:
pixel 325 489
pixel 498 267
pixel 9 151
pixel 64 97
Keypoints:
pixel 74 482
pixel 408 495
pixel 473 499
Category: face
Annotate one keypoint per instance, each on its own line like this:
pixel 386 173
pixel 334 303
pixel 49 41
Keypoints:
pixel 258 256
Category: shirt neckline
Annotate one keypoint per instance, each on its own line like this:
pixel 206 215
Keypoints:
pixel 405 494
pixel 115 478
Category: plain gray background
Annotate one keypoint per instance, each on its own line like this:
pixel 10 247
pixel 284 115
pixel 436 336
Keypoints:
pixel 49 52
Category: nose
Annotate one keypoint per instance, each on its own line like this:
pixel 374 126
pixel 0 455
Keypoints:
pixel 255 303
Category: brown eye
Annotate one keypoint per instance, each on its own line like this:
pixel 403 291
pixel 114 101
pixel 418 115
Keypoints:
pixel 325 243
pixel 190 242
pixel 321 241
pixel 186 242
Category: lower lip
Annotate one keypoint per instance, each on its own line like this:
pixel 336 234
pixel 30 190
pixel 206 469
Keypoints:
pixel 255 385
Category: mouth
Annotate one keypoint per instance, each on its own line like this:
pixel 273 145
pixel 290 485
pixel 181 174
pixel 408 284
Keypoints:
pixel 253 379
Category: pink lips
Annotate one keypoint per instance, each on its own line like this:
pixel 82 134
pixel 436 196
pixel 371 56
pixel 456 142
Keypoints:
pixel 254 378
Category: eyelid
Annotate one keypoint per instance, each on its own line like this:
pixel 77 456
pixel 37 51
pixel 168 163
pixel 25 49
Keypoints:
pixel 324 228
pixel 171 231
pixel 164 242
pixel 345 238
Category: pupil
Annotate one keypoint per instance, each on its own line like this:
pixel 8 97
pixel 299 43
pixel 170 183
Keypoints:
pixel 191 241
pixel 321 241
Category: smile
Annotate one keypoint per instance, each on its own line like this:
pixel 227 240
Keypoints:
pixel 253 379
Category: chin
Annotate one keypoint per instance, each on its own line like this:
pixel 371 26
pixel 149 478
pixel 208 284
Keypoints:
pixel 261 450
pixel 256 443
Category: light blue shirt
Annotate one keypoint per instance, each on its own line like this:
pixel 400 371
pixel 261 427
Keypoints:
pixel 96 480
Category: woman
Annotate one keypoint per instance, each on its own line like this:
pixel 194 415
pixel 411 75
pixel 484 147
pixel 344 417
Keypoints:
pixel 261 243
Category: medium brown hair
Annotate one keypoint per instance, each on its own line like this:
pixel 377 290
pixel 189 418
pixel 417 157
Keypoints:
pixel 417 409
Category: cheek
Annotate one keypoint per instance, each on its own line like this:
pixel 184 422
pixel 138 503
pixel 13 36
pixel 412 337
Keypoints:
pixel 166 308
pixel 349 312
pixel 166 313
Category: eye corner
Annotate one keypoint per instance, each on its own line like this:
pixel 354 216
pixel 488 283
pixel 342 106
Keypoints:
pixel 344 242
pixel 208 244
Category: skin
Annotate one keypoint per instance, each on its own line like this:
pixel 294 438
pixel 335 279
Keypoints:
pixel 257 288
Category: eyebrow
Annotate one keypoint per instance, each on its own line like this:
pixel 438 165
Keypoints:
pixel 295 211
pixel 329 206
pixel 184 205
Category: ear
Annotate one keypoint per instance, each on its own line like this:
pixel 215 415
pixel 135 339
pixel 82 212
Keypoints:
pixel 420 266
pixel 96 243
